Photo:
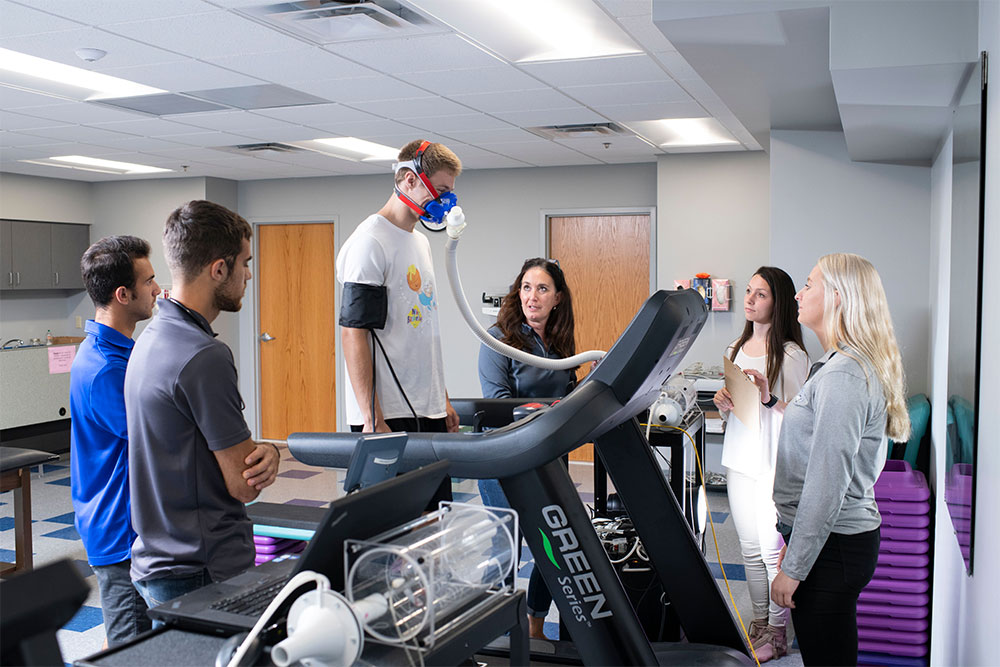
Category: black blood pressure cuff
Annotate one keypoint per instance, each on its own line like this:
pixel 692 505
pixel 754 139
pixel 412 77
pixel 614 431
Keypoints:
pixel 363 306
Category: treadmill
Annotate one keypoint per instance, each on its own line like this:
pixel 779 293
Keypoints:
pixel 523 455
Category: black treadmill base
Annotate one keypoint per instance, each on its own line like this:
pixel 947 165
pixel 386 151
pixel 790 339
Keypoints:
pixel 558 652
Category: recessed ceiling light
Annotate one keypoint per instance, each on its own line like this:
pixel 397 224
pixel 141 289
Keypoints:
pixel 350 148
pixel 531 31
pixel 684 132
pixel 97 164
pixel 19 70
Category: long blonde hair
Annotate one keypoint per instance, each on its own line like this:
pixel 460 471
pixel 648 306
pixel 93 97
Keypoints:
pixel 862 321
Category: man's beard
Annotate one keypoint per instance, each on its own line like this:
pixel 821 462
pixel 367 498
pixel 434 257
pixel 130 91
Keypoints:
pixel 225 302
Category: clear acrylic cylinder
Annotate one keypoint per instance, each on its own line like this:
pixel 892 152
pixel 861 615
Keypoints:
pixel 431 568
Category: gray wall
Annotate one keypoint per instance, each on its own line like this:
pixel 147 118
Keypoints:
pixel 503 211
pixel 713 218
pixel 821 202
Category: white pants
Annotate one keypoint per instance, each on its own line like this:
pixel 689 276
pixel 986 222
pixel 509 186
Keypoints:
pixel 753 513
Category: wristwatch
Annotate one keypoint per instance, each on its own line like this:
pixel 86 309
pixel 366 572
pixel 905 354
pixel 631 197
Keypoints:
pixel 771 403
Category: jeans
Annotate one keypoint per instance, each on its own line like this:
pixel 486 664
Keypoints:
pixel 123 608
pixel 538 598
pixel 753 514
pixel 157 591
pixel 825 613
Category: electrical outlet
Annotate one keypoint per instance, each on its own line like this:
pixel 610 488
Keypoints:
pixel 79 322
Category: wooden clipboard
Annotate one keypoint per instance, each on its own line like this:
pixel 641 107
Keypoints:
pixel 745 395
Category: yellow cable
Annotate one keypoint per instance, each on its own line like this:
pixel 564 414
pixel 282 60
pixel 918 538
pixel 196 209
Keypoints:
pixel 715 539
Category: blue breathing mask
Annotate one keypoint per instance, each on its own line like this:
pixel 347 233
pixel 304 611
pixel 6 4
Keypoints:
pixel 436 209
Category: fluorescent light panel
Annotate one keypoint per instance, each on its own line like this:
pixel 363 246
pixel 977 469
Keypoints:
pixel 681 132
pixel 351 148
pixel 85 163
pixel 532 31
pixel 19 70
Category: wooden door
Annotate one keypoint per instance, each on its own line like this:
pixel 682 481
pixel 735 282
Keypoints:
pixel 606 262
pixel 297 325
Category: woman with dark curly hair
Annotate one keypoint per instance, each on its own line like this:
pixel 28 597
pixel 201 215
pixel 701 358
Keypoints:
pixel 536 316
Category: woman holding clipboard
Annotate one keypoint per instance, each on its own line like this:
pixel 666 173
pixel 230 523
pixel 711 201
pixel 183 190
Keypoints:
pixel 770 345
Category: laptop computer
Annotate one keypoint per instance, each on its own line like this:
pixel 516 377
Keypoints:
pixel 235 605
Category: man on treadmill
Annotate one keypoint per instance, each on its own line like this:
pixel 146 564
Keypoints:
pixel 389 320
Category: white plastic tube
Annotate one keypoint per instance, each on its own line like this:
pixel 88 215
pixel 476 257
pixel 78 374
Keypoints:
pixel 456 224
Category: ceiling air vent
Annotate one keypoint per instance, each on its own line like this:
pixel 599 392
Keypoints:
pixel 331 21
pixel 266 148
pixel 579 131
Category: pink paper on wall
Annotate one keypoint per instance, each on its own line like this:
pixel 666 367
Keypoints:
pixel 61 359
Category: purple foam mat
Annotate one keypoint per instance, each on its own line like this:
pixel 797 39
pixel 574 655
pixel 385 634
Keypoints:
pixel 266 539
pixel 961 525
pixel 296 547
pixel 866 658
pixel 899 481
pixel 903 560
pixel 888 597
pixel 900 547
pixel 903 507
pixel 904 573
pixel 894 636
pixel 904 534
pixel 898 585
pixel 907 493
pixel 889 623
pixel 904 520
pixel 892 611
pixel 960 511
pixel 909 651
pixel 284 545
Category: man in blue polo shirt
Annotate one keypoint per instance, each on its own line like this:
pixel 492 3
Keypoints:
pixel 120 282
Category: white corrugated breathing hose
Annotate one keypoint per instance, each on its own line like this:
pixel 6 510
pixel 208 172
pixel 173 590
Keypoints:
pixel 456 225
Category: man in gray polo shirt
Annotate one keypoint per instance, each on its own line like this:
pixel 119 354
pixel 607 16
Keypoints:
pixel 192 464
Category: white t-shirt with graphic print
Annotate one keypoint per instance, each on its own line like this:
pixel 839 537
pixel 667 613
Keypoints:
pixel 380 253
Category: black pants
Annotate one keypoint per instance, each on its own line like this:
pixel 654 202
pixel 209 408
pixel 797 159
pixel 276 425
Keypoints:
pixel 427 425
pixel 825 613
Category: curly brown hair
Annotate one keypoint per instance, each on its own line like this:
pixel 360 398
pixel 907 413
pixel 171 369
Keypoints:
pixel 559 329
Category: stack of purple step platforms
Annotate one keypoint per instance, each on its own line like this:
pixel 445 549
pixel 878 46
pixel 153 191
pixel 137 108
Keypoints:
pixel 893 610
pixel 269 548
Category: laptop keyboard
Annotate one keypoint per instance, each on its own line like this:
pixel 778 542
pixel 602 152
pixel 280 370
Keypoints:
pixel 253 602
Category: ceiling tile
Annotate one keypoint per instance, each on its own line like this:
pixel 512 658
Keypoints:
pixel 14 153
pixel 321 116
pixel 212 35
pixel 418 107
pixel 77 133
pixel 80 112
pixel 13 98
pixel 629 93
pixel 498 135
pixel 620 8
pixel 448 124
pixel 538 153
pixel 375 129
pixel 180 76
pixel 147 126
pixel 234 121
pixel 497 79
pixel 622 69
pixel 60 47
pixel 143 144
pixel 15 121
pixel 303 63
pixel 542 98
pixel 535 118
pixel 629 112
pixel 77 148
pixel 97 12
pixel 19 20
pixel 432 53
pixel 207 139
pixel 362 89
pixel 21 139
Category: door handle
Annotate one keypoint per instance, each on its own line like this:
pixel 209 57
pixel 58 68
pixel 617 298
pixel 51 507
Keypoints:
pixel 266 337
pixel 18 275
pixel 10 278
pixel 57 277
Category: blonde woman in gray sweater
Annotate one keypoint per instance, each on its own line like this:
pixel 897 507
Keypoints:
pixel 831 450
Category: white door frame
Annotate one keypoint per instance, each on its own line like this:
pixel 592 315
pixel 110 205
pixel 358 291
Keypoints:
pixel 249 345
pixel 547 213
